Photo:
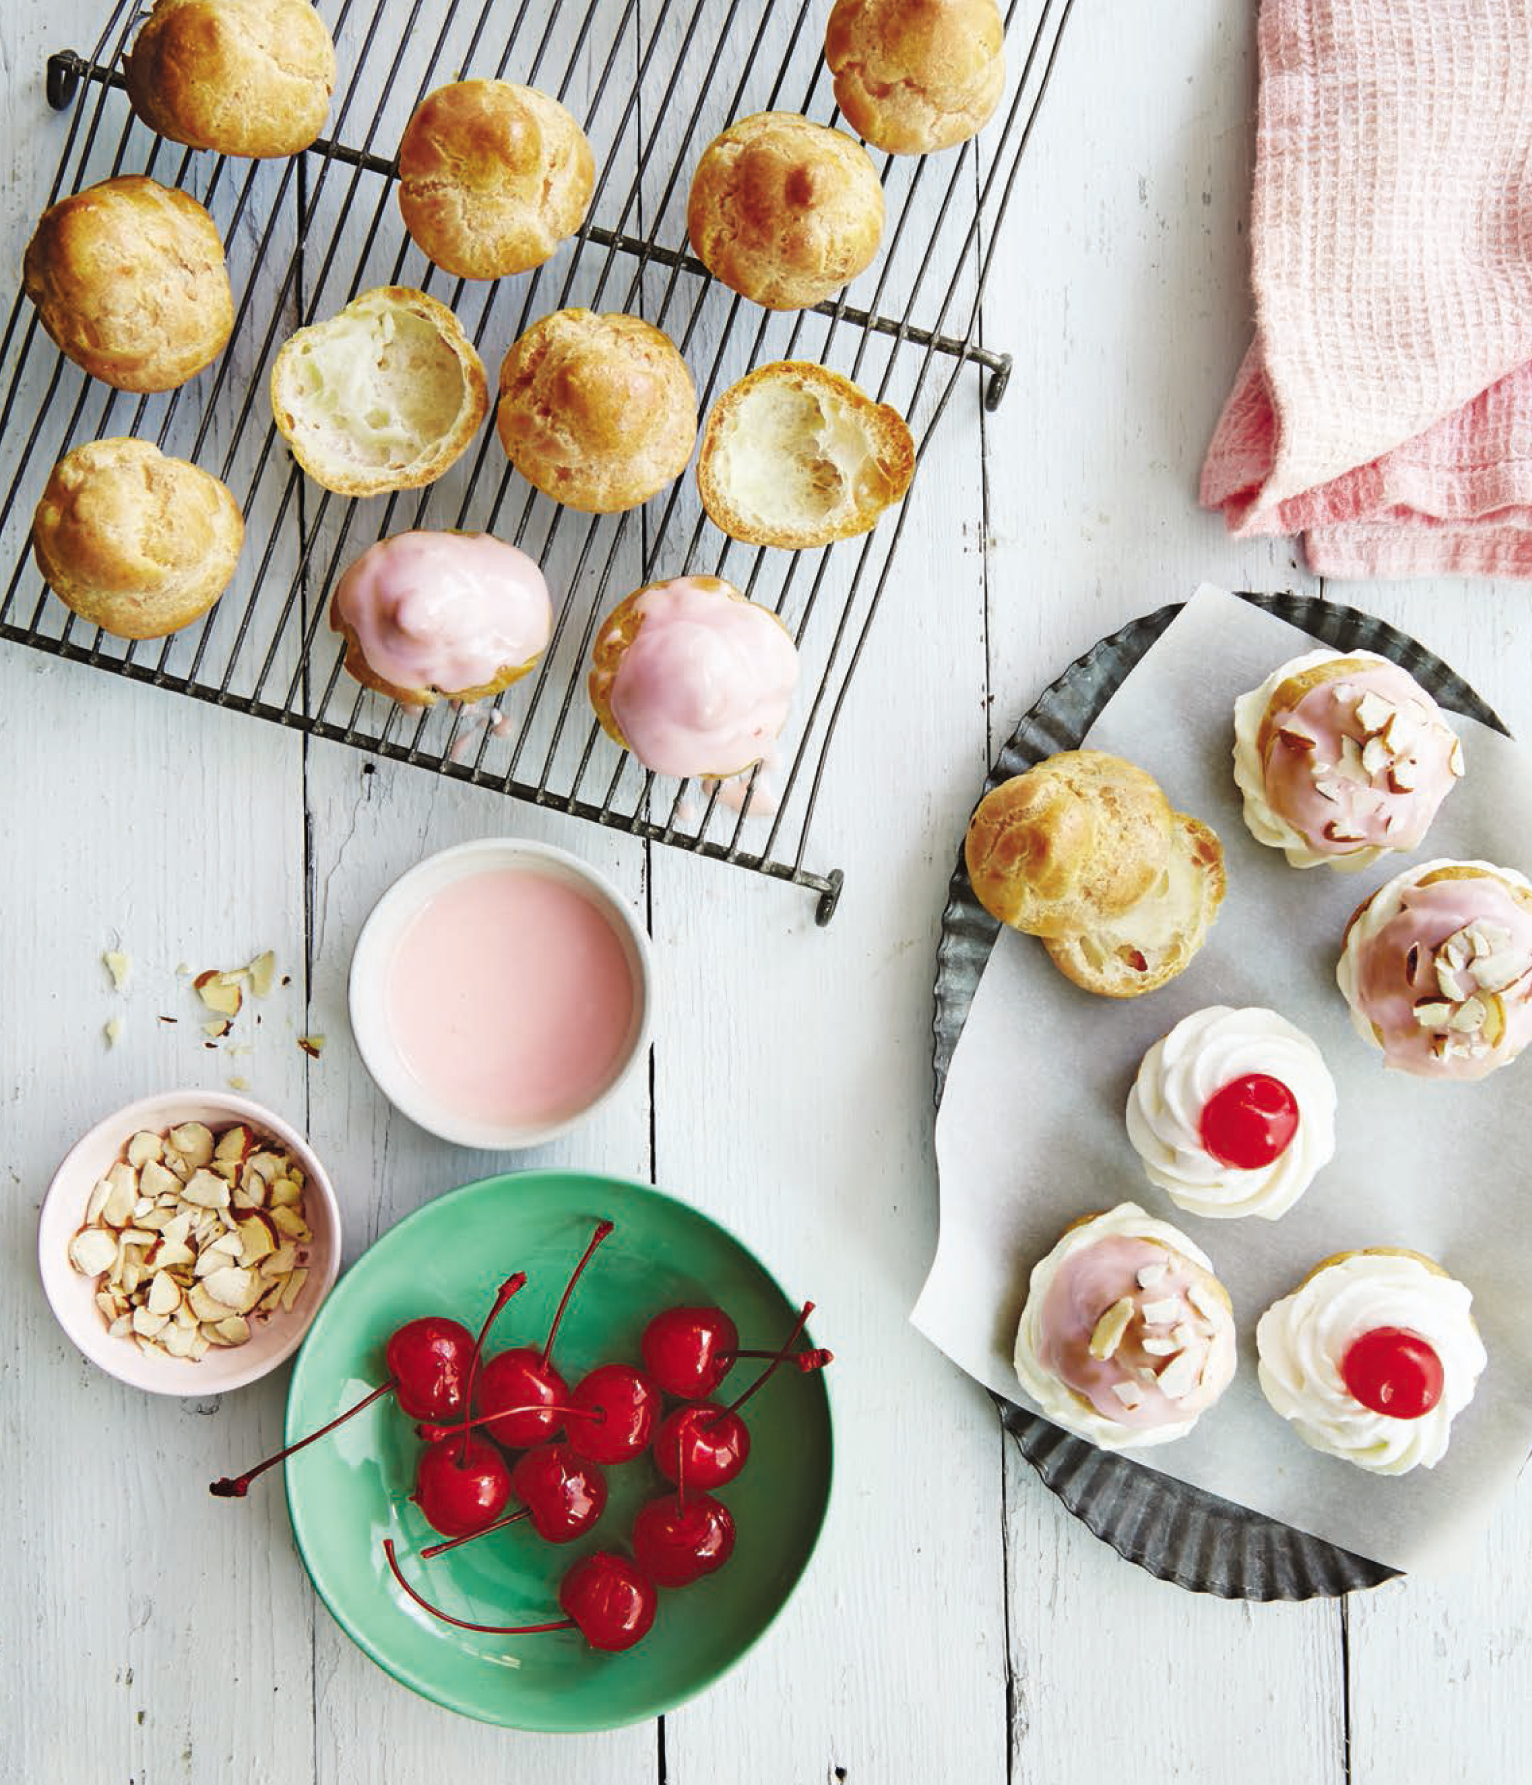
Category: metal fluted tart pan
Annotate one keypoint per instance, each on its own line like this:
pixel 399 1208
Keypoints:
pixel 1176 1532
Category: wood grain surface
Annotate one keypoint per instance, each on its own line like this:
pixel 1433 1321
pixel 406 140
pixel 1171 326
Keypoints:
pixel 957 1624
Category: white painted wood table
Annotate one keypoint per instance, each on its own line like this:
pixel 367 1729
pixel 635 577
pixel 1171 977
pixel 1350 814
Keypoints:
pixel 956 1624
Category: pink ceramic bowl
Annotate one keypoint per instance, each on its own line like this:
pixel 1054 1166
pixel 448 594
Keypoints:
pixel 72 1296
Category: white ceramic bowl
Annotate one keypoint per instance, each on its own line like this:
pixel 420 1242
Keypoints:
pixel 380 936
pixel 72 1297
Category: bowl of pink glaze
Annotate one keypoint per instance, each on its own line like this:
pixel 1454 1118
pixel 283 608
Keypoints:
pixel 500 991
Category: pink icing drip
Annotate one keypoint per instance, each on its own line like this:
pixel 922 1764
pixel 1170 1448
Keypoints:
pixel 1387 990
pixel 1086 1284
pixel 704 686
pixel 1381 817
pixel 445 610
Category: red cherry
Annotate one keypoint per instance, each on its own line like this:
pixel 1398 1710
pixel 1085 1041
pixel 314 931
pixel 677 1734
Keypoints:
pixel 678 1539
pixel 428 1359
pixel 689 1351
pixel 623 1405
pixel 525 1375
pixel 1250 1121
pixel 611 1599
pixel 1394 1372
pixel 563 1492
pixel 461 1485
pixel 705 1443
pixel 521 1379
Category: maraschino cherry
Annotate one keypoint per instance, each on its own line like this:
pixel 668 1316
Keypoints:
pixel 708 1445
pixel 689 1351
pixel 608 1598
pixel 524 1376
pixel 462 1484
pixel 679 1538
pixel 621 1405
pixel 1393 1371
pixel 563 1492
pixel 1249 1122
pixel 428 1361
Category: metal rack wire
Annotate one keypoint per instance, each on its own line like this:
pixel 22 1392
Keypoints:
pixel 652 81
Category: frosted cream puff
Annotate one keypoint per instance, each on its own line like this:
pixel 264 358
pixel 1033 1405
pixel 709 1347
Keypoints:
pixel 1127 1337
pixel 1233 1113
pixel 1371 1358
pixel 431 616
pixel 1342 759
pixel 693 678
pixel 1437 969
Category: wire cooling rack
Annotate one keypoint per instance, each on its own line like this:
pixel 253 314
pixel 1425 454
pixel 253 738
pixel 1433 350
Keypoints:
pixel 652 81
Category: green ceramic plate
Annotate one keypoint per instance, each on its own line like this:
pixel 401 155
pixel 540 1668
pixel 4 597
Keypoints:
pixel 347 1494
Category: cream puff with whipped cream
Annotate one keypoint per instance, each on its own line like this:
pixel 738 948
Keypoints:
pixel 693 678
pixel 1342 759
pixel 1233 1113
pixel 1437 969
pixel 432 616
pixel 1371 1358
pixel 1127 1336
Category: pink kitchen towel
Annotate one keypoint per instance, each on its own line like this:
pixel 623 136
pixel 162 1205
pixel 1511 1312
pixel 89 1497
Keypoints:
pixel 1384 410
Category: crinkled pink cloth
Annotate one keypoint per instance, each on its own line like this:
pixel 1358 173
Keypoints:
pixel 1384 410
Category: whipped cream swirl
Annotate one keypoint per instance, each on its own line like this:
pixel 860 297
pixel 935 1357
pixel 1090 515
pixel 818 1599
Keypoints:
pixel 1353 770
pixel 1302 1339
pixel 1181 1072
pixel 1127 1336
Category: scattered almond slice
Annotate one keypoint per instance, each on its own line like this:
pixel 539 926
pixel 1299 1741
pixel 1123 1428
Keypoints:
pixel 1469 1017
pixel 145 1149
pixel 100 1191
pixel 220 992
pixel 312 1045
pixel 1294 733
pixel 1180 1375
pixel 217 1029
pixel 1455 760
pixel 293 1287
pixel 263 974
pixel 1165 1312
pixel 1130 1394
pixel 1402 774
pixel 1432 1014
pixel 1376 756
pixel 1448 981
pixel 1494 972
pixel 1151 1275
pixel 120 966
pixel 1107 1333
pixel 194 1142
pixel 1373 712
pixel 1158 1347
pixel 1206 1301
pixel 92 1251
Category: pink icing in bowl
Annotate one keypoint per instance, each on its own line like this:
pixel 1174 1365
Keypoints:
pixel 499 992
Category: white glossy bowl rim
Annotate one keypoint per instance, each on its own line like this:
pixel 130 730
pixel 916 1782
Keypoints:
pixel 274 1340
pixel 369 1020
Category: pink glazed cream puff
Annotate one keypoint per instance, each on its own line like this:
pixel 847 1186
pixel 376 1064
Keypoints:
pixel 441 616
pixel 1437 969
pixel 693 678
pixel 1342 759
pixel 1127 1336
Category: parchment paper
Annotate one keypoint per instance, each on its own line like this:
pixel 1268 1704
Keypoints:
pixel 1030 1133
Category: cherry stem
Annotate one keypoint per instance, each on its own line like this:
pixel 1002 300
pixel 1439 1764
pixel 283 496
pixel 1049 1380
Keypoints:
pixel 510 1518
pixel 488 1419
pixel 778 1358
pixel 517 1280
pixel 462 1623
pixel 802 1360
pixel 237 1486
pixel 603 1228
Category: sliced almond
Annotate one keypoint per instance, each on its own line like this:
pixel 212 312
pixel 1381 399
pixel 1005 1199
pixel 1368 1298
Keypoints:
pixel 293 1287
pixel 1206 1301
pixel 206 1190
pixel 1296 735
pixel 219 992
pixel 1165 1312
pixel 1107 1333
pixel 117 1210
pixel 1455 763
pixel 262 973
pixel 1343 830
pixel 285 1193
pixel 92 1251
pixel 233 1144
pixel 1448 981
pixel 155 1180
pixel 120 966
pixel 1180 1375
pixel 149 1325
pixel 1130 1394
pixel 1432 1013
pixel 194 1142
pixel 256 1240
pixel 1373 712
pixel 1497 971
pixel 237 1288
pixel 1376 756
pixel 143 1148
pixel 1150 1276
pixel 204 1306
pixel 1404 774
pixel 1328 790
pixel 1157 1347
pixel 96 1202
pixel 289 1222
pixel 178 1340
pixel 1350 765
pixel 231 1331
pixel 1469 1017
pixel 281 1261
pixel 164 1295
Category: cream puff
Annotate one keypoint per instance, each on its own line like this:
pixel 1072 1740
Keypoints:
pixel 916 75
pixel 431 616
pixel 1233 1113
pixel 693 678
pixel 135 542
pixel 1437 969
pixel 1127 1337
pixel 492 177
pixel 1342 759
pixel 1371 1358
pixel 598 412
pixel 129 281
